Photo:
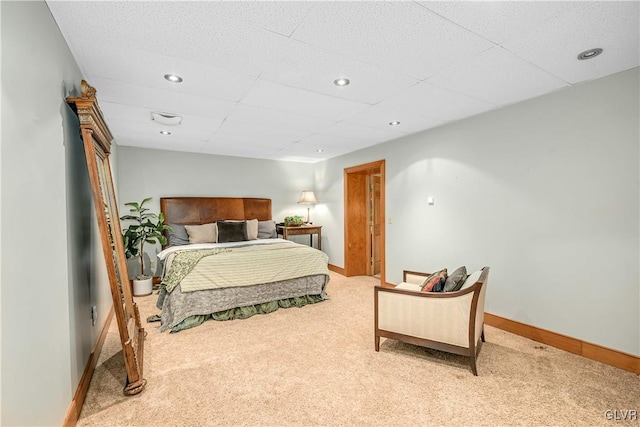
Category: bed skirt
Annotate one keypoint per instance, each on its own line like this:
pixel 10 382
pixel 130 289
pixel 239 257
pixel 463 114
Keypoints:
pixel 184 310
pixel 247 311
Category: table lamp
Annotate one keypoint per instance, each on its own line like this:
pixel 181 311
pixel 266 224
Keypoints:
pixel 308 198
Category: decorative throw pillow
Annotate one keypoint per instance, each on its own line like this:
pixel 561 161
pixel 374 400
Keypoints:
pixel 205 233
pixel 471 279
pixel 456 280
pixel 252 229
pixel 251 224
pixel 266 229
pixel 235 231
pixel 178 236
pixel 435 281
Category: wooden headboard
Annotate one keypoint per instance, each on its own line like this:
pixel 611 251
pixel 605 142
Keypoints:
pixel 203 210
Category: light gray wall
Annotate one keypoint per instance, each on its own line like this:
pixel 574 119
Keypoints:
pixel 158 173
pixel 545 192
pixel 52 269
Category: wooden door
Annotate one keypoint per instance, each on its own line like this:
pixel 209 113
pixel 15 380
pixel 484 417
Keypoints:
pixel 375 224
pixel 358 236
pixel 356 229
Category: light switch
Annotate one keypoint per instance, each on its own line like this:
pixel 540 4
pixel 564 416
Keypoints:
pixel 430 200
pixel 390 220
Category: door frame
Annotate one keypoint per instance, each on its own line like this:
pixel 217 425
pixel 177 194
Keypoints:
pixel 355 252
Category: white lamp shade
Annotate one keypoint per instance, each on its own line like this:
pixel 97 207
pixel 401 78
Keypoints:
pixel 308 198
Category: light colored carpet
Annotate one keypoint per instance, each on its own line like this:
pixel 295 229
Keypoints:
pixel 316 365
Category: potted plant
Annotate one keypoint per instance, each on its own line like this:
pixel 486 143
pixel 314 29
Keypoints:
pixel 293 221
pixel 145 227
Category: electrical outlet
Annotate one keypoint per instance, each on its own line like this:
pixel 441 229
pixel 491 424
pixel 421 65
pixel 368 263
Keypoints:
pixel 94 315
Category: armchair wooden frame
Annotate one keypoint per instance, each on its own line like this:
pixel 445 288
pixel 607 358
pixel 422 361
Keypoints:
pixel 422 302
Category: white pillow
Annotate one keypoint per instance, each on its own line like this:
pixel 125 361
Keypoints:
pixel 205 233
pixel 473 278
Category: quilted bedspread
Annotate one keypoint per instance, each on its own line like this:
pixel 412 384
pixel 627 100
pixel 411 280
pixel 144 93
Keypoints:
pixel 204 269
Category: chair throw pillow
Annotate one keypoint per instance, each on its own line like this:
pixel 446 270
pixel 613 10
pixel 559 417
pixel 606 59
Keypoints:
pixel 435 281
pixel 456 280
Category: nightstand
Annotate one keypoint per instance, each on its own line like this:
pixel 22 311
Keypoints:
pixel 309 229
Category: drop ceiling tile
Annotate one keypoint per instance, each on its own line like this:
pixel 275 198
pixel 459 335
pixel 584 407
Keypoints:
pixel 242 146
pixel 433 101
pixel 498 77
pixel 283 98
pixel 612 26
pixel 192 126
pixel 281 17
pixel 378 117
pixel 329 144
pixel 157 143
pixel 310 68
pixel 148 69
pixel 172 29
pixel 499 21
pixel 399 36
pixel 251 139
pixel 367 134
pixel 289 125
pixel 129 120
pixel 307 153
pixel 215 40
pixel 119 92
pixel 241 133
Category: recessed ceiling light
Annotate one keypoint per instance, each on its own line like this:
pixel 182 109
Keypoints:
pixel 591 53
pixel 173 78
pixel 165 132
pixel 319 150
pixel 394 123
pixel 342 81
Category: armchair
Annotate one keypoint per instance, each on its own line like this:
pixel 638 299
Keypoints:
pixel 447 321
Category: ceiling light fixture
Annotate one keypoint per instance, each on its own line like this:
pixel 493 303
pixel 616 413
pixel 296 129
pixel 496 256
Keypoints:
pixel 319 150
pixel 342 81
pixel 166 119
pixel 173 78
pixel 394 123
pixel 165 132
pixel 591 53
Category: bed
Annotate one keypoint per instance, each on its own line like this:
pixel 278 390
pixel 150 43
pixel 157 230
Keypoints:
pixel 234 269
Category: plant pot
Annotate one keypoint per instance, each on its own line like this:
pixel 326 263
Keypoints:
pixel 142 287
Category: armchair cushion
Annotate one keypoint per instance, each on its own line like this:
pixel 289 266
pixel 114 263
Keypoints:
pixel 409 287
pixel 456 280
